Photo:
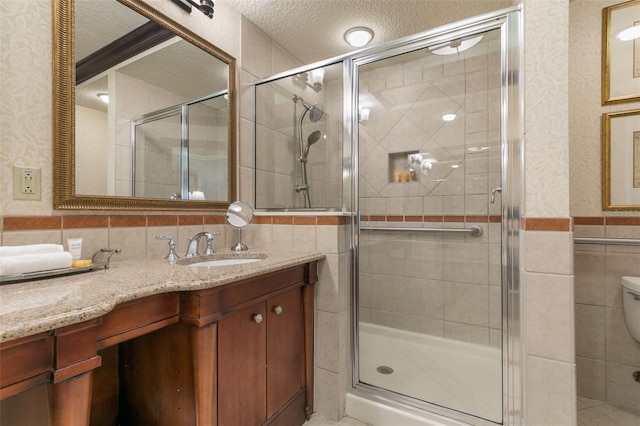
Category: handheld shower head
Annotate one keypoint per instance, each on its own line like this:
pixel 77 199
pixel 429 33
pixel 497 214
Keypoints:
pixel 313 138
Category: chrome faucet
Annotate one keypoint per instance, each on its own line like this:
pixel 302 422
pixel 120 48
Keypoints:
pixel 192 249
pixel 172 256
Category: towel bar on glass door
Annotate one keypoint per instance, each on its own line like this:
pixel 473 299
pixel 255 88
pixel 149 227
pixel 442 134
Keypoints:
pixel 612 241
pixel 475 230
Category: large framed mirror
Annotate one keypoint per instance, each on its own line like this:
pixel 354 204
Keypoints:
pixel 165 139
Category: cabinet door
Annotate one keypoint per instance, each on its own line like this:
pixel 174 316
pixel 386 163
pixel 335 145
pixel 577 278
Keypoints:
pixel 241 367
pixel 285 348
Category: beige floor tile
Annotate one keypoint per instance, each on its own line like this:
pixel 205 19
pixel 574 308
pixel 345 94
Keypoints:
pixel 602 414
pixel 317 420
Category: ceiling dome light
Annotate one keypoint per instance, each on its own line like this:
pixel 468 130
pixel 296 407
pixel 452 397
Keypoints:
pixel 455 46
pixel 630 33
pixel 358 36
pixel 449 117
pixel 104 97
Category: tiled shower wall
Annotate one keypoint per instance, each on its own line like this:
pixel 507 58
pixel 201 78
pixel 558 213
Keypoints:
pixel 277 146
pixel 443 285
pixel 606 354
pixel 440 284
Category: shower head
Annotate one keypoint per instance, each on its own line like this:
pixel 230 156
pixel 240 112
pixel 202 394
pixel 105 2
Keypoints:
pixel 315 110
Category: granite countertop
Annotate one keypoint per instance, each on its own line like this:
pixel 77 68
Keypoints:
pixel 32 307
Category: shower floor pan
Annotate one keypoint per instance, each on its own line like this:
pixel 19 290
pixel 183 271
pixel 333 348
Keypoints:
pixel 463 376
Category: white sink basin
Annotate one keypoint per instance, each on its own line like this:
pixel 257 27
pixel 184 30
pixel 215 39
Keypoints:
pixel 223 262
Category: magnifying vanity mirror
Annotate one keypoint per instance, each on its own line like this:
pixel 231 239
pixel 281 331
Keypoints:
pixel 144 111
pixel 239 215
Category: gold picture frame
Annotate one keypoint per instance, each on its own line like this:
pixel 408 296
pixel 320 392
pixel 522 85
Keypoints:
pixel 620 58
pixel 621 160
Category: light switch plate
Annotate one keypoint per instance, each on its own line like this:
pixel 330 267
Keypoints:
pixel 26 183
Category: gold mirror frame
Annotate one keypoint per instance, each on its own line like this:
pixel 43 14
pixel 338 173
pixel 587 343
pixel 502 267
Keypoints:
pixel 611 54
pixel 64 78
pixel 608 180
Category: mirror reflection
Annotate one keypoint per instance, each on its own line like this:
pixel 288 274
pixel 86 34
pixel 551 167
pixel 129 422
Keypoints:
pixel 153 125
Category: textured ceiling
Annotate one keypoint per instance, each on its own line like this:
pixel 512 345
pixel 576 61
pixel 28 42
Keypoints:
pixel 313 30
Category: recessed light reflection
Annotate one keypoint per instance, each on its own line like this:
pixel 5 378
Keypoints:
pixel 449 117
pixel 104 97
pixel 477 148
pixel 630 33
pixel 455 166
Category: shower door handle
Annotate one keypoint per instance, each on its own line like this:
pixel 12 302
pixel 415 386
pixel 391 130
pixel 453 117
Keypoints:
pixel 493 193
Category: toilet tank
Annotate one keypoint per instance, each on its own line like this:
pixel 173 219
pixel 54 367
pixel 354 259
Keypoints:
pixel 631 304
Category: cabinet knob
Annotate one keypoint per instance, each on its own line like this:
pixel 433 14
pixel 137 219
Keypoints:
pixel 257 318
pixel 277 309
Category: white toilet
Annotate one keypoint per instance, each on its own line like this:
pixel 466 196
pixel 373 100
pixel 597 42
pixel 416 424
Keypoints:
pixel 631 304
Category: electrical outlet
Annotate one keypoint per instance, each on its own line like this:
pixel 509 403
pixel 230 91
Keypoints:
pixel 26 183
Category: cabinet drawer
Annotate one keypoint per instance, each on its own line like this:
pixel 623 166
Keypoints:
pixel 204 307
pixel 23 359
pixel 138 317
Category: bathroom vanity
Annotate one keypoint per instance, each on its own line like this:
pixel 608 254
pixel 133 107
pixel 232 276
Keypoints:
pixel 157 344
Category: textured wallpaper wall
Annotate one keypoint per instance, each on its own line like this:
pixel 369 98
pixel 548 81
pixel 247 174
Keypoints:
pixel 25 104
pixel 546 109
pixel 585 110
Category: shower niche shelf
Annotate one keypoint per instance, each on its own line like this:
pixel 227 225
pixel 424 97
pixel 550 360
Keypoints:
pixel 400 169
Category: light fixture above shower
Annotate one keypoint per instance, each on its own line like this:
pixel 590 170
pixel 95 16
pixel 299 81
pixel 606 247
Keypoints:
pixel 455 46
pixel 316 76
pixel 364 115
pixel 358 36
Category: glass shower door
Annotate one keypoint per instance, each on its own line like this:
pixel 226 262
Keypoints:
pixel 429 239
pixel 157 165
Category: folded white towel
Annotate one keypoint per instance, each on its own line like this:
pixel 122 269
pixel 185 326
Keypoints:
pixel 30 249
pixel 20 264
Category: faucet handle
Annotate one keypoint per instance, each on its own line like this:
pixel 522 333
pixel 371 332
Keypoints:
pixel 210 236
pixel 172 256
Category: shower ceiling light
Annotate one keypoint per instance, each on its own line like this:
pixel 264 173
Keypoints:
pixel 449 117
pixel 455 46
pixel 104 97
pixel 358 36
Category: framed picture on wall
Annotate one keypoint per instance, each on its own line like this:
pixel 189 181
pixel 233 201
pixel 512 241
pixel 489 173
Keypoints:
pixel 621 160
pixel 621 53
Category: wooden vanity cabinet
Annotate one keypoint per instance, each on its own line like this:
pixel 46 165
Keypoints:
pixel 264 345
pixel 235 354
pixel 261 362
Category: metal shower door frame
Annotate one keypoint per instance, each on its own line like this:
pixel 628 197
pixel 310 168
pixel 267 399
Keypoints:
pixel 509 22
pixel 183 111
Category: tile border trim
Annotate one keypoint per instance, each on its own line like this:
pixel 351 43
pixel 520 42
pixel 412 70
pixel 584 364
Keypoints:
pixel 35 223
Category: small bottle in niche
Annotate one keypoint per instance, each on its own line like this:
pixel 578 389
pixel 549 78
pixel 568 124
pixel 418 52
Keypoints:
pixel 413 176
pixel 396 176
pixel 405 176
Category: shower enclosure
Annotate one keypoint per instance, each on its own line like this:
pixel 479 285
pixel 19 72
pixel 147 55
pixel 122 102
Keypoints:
pixel 430 163
pixel 181 152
